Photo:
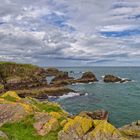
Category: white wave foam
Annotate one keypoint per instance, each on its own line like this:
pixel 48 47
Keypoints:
pixel 72 94
pixel 103 76
pixel 69 95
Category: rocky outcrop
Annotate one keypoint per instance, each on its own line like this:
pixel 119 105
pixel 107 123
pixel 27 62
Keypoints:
pixel 62 79
pixel 96 115
pixel 19 76
pixel 46 120
pixel 44 92
pixel 52 71
pixel 45 123
pixel 114 79
pixel 83 128
pixel 10 111
pixel 87 77
pixel 131 131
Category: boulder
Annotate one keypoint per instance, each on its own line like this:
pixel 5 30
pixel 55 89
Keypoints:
pixel 45 123
pixel 85 128
pixel 131 131
pixel 111 78
pixel 87 77
pixel 96 115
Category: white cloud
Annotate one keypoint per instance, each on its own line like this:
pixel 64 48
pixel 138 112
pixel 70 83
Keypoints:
pixel 73 31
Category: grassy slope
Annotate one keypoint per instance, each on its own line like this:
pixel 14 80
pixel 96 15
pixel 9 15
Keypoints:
pixel 23 130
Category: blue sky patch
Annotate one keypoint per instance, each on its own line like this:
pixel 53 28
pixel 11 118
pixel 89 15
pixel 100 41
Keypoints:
pixel 122 33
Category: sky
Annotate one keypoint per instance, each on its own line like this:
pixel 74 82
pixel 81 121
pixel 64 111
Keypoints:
pixel 70 32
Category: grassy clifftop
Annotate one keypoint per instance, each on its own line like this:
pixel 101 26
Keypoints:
pixel 11 69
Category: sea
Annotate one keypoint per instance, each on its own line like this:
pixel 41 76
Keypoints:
pixel 121 100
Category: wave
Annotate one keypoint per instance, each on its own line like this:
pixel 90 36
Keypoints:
pixel 69 95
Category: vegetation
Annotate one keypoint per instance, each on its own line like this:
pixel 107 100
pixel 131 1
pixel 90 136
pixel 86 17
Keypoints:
pixel 11 69
pixel 24 130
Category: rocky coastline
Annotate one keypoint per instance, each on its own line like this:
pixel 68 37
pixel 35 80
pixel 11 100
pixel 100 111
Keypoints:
pixel 23 116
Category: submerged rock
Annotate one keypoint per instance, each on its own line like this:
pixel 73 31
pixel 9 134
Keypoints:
pixel 114 79
pixel 87 77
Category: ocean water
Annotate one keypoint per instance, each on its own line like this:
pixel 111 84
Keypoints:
pixel 121 100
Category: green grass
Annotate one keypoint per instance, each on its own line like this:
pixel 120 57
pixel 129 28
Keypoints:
pixel 23 130
pixel 10 98
pixel 46 107
pixel 10 69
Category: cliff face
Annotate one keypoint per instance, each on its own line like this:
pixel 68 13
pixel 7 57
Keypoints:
pixel 15 76
pixel 28 118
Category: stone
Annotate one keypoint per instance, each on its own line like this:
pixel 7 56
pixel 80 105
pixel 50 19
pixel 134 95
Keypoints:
pixel 52 71
pixel 45 123
pixel 86 78
pixel 62 79
pixel 96 115
pixel 131 131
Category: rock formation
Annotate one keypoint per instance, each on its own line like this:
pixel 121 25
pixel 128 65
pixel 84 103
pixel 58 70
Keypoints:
pixel 87 77
pixel 30 119
pixel 114 79
pixel 52 71
pixel 62 78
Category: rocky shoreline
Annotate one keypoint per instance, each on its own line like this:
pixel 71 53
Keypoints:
pixel 28 118
pixel 23 116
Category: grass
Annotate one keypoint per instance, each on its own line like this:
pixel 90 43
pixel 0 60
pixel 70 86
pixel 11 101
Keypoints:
pixel 24 130
pixel 9 98
pixel 11 69
pixel 47 107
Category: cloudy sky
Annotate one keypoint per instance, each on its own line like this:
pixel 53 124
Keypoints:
pixel 70 32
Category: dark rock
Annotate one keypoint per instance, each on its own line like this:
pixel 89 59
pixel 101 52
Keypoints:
pixel 87 77
pixel 62 79
pixel 111 78
pixel 52 71
pixel 114 79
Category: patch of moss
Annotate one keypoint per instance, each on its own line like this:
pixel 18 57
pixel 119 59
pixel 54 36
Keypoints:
pixel 11 96
pixel 23 130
